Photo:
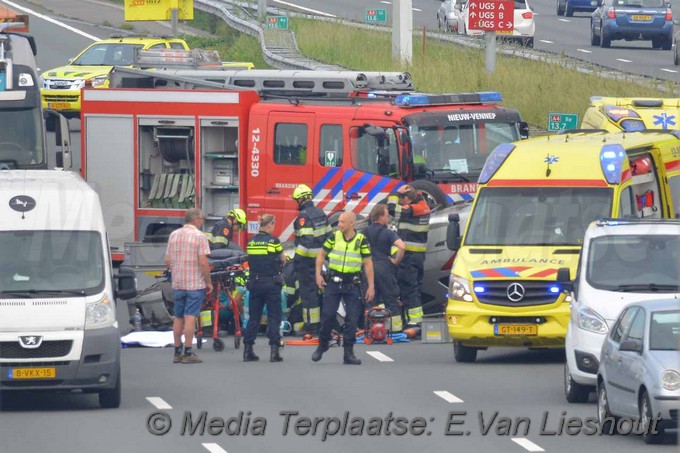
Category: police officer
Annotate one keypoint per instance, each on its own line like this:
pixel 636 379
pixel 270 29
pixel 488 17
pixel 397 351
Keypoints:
pixel 347 251
pixel 311 230
pixel 222 232
pixel 265 257
pixel 382 240
pixel 412 215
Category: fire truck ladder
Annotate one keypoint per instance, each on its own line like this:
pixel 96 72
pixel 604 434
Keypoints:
pixel 289 82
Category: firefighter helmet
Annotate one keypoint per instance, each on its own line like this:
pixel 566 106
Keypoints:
pixel 302 191
pixel 239 216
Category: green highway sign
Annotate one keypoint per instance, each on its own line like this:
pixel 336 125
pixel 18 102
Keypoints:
pixel 376 16
pixel 277 22
pixel 562 121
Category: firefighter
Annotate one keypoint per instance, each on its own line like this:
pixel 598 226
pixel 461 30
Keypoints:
pixel 347 251
pixel 311 230
pixel 222 232
pixel 266 258
pixel 412 216
pixel 382 241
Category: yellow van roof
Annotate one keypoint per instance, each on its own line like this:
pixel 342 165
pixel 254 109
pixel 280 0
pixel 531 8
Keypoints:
pixel 655 113
pixel 570 159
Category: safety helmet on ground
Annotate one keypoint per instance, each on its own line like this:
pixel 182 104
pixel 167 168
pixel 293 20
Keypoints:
pixel 238 215
pixel 302 191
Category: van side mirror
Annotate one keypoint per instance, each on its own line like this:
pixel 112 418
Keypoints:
pixel 126 284
pixel 563 279
pixel 523 129
pixel 631 345
pixel 453 232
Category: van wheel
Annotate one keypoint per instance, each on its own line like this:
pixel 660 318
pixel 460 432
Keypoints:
pixel 645 410
pixel 110 398
pixel 433 194
pixel 575 392
pixel 464 354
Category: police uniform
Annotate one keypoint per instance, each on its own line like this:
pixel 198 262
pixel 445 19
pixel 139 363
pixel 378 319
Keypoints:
pixel 413 224
pixel 264 286
pixel 381 240
pixel 220 237
pixel 345 259
pixel 311 230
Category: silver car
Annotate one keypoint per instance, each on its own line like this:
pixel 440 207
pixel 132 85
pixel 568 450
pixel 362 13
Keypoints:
pixel 639 374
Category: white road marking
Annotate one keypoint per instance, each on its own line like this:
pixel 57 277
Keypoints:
pixel 214 448
pixel 379 356
pixel 446 396
pixel 584 50
pixel 669 70
pixel 387 3
pixel 526 444
pixel 416 9
pixel 546 41
pixel 49 19
pixel 564 20
pixel 321 13
pixel 158 402
pixel 623 60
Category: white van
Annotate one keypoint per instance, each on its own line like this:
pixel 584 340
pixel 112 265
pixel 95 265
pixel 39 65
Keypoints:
pixel 622 262
pixel 58 329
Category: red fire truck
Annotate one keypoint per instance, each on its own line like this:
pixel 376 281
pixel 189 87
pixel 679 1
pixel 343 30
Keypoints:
pixel 167 140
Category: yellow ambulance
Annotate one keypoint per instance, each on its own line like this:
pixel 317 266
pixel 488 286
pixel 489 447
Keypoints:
pixel 632 114
pixel 534 202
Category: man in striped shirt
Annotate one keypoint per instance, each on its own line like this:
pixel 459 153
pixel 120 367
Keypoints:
pixel 187 259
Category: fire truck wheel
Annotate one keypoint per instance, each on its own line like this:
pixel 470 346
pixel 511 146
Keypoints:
pixel 434 195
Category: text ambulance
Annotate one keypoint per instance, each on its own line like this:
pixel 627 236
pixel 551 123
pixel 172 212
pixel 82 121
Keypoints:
pixel 535 201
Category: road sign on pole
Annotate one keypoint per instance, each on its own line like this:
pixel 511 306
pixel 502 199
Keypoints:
pixel 277 22
pixel 491 15
pixel 376 16
pixel 562 121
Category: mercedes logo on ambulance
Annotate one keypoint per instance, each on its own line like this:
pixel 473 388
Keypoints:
pixel 22 203
pixel 515 292
pixel 30 341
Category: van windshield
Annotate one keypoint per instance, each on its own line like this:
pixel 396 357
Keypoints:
pixel 641 263
pixel 50 263
pixel 536 215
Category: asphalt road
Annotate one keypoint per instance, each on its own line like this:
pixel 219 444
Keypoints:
pixel 507 385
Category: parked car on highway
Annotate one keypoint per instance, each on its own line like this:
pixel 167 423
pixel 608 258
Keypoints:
pixel 61 86
pixel 622 261
pixel 640 371
pixel 569 7
pixel 524 25
pixel 448 15
pixel 632 20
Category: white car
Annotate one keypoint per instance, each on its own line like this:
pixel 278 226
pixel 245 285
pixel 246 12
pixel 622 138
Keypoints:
pixel 448 15
pixel 524 24
pixel 622 262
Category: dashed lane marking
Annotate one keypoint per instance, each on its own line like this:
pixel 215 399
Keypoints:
pixel 546 41
pixel 386 3
pixel 669 70
pixel 564 20
pixel 214 448
pixel 293 5
pixel 623 60
pixel 416 9
pixel 526 444
pixel 584 50
pixel 159 403
pixel 377 355
pixel 447 396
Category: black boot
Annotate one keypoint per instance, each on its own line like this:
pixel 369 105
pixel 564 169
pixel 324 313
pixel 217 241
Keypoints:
pixel 350 358
pixel 249 354
pixel 318 352
pixel 275 354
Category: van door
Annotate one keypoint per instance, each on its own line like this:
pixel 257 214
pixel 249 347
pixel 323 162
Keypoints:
pixel 288 163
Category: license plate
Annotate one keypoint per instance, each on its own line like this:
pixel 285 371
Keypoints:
pixel 503 32
pixel 59 105
pixel 640 17
pixel 32 373
pixel 515 329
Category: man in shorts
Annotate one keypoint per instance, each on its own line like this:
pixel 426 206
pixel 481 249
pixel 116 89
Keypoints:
pixel 187 259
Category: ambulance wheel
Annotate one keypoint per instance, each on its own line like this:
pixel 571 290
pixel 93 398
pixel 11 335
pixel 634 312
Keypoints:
pixel 464 354
pixel 199 341
pixel 433 194
pixel 218 345
pixel 237 341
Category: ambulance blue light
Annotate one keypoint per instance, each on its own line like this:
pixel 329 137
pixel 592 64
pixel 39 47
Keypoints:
pixel 478 289
pixel 490 96
pixel 633 125
pixel 554 289
pixel 494 161
pixel 611 160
